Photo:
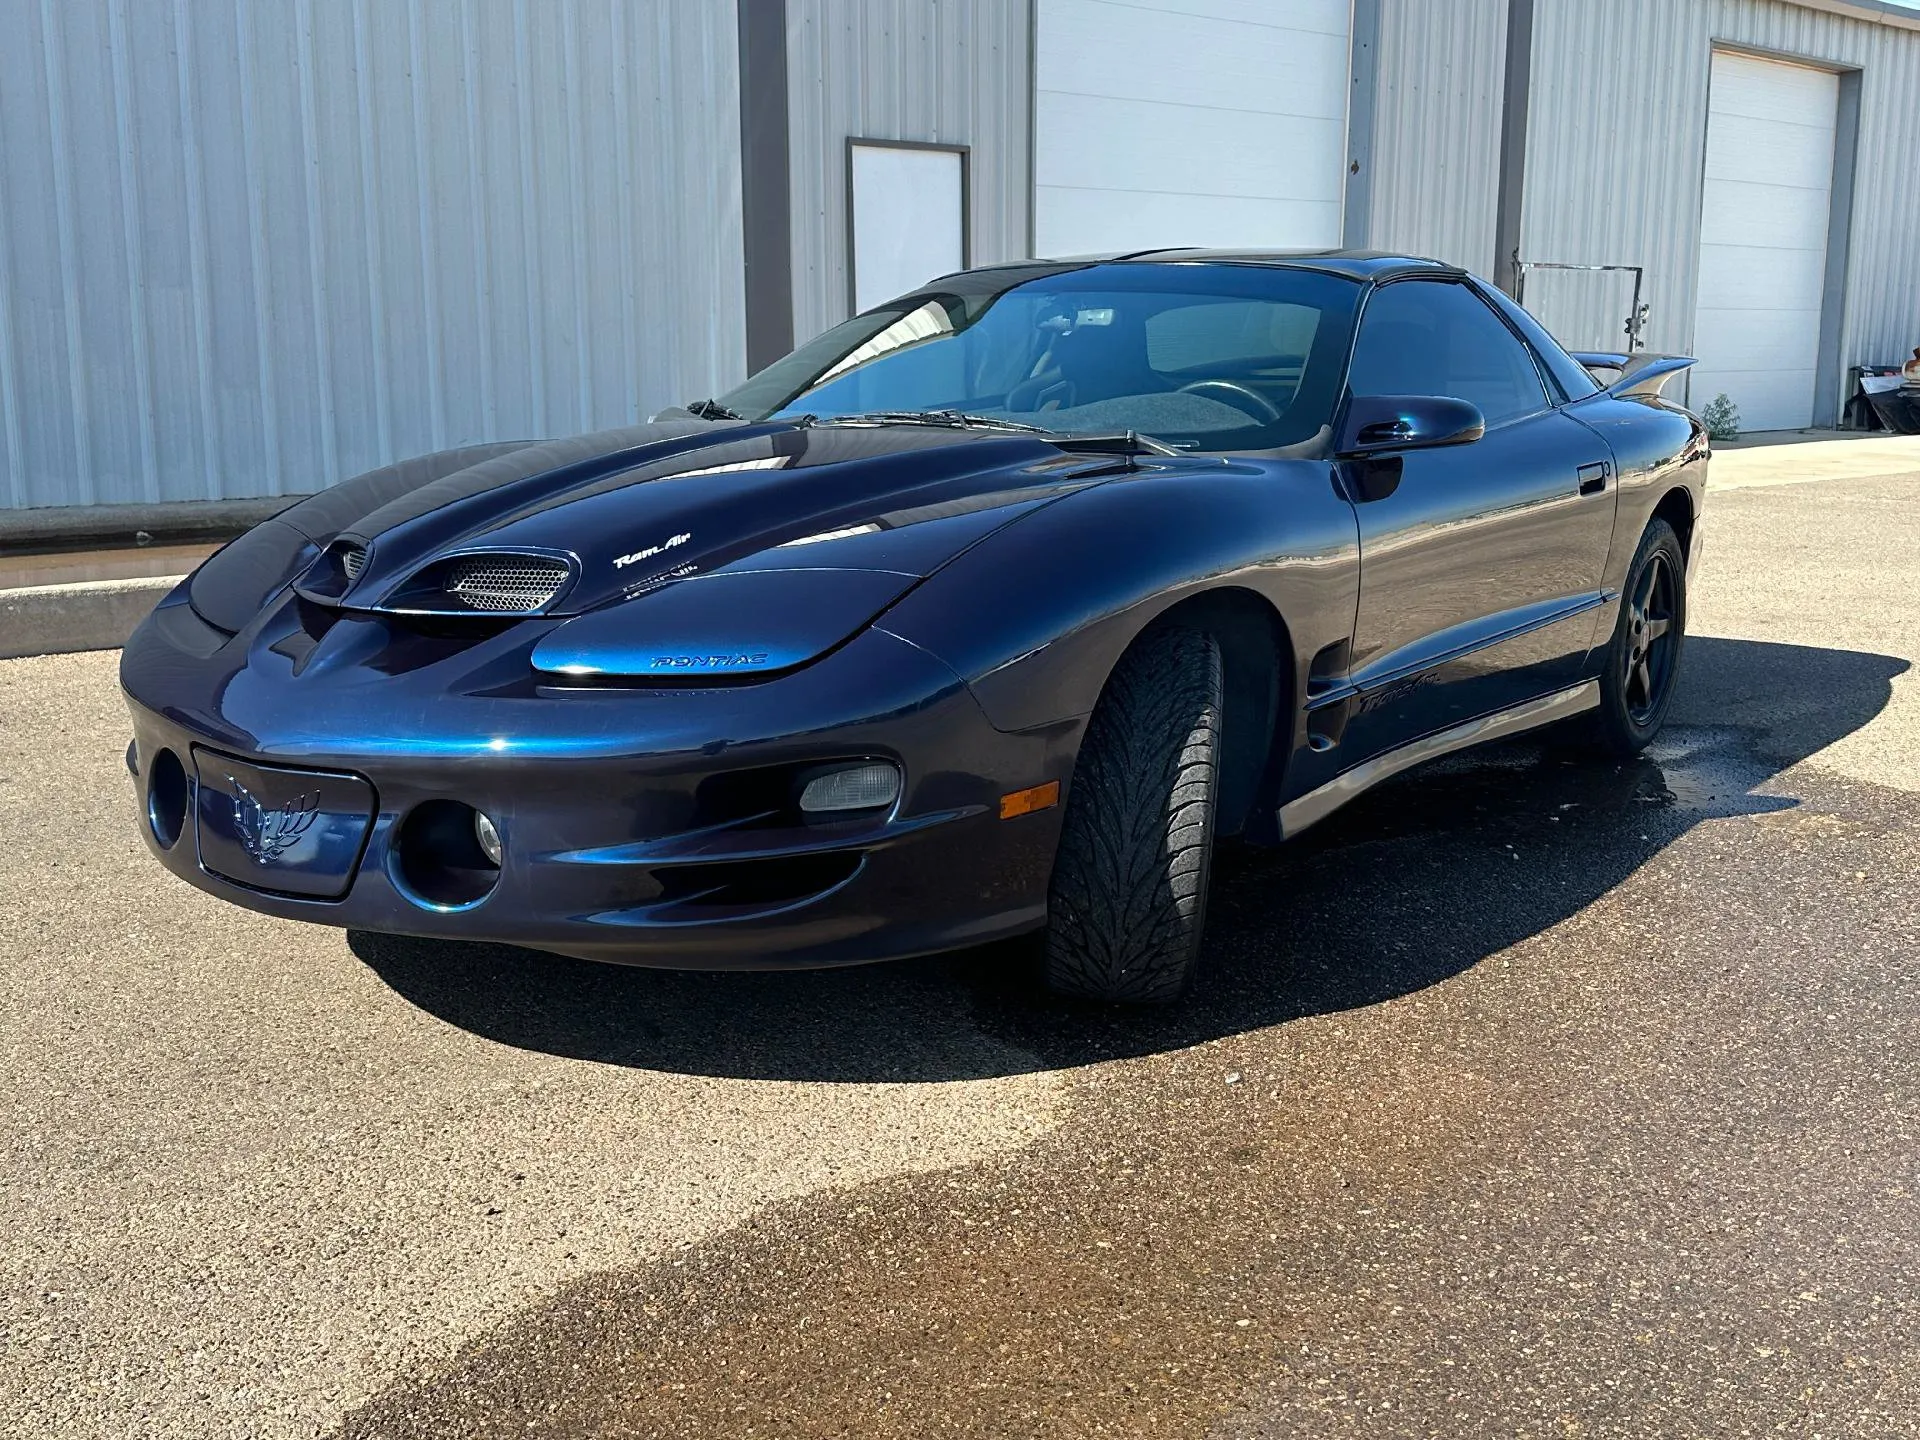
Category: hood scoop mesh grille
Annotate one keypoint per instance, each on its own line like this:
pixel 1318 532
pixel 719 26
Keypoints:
pixel 502 585
pixel 505 584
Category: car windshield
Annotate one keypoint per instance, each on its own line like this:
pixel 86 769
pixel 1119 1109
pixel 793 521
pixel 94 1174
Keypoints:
pixel 1200 356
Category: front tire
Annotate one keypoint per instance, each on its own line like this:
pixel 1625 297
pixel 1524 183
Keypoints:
pixel 1129 894
pixel 1643 658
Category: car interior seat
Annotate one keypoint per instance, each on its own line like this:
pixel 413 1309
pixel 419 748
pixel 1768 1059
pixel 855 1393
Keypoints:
pixel 1089 363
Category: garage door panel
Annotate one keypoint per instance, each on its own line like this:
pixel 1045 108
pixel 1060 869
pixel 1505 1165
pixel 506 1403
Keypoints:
pixel 1747 87
pixel 1767 399
pixel 1122 145
pixel 1213 64
pixel 1730 337
pixel 1751 277
pixel 1089 221
pixel 1772 152
pixel 1774 216
pixel 1763 238
pixel 1327 17
pixel 1189 122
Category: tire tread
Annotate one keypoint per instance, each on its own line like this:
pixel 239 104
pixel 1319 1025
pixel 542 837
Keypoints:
pixel 1128 899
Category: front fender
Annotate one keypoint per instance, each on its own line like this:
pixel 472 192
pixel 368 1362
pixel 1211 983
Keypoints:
pixel 1035 617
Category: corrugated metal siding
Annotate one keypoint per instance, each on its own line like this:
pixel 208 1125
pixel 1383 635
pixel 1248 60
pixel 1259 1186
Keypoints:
pixel 1616 148
pixel 1436 138
pixel 251 249
pixel 954 72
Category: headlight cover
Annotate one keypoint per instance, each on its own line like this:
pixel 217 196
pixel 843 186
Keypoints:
pixel 740 625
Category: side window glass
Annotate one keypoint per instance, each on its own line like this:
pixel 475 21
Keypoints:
pixel 1424 337
pixel 1568 373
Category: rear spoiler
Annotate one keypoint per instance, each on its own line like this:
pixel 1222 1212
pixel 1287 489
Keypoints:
pixel 1635 374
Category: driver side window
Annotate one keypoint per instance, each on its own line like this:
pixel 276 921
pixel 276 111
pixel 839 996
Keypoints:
pixel 1427 337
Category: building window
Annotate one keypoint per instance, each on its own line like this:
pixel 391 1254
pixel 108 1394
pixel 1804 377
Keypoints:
pixel 906 217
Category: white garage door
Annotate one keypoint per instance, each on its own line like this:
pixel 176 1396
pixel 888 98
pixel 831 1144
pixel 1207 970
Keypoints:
pixel 1189 122
pixel 1763 238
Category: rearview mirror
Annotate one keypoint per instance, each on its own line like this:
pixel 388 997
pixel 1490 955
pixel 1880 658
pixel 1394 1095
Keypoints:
pixel 1377 423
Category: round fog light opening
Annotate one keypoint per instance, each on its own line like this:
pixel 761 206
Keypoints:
pixel 168 794
pixel 487 835
pixel 853 787
pixel 437 860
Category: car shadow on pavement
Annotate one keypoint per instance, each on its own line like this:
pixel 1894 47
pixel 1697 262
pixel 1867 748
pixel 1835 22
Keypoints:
pixel 1415 882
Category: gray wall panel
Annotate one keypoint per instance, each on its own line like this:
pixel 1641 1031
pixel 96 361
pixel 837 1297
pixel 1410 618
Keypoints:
pixel 1617 139
pixel 1436 129
pixel 251 249
pixel 953 72
pixel 1616 153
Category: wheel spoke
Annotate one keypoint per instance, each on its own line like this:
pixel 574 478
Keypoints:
pixel 1657 628
pixel 1643 596
pixel 1643 680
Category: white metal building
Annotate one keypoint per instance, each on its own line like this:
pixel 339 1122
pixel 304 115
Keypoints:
pixel 249 247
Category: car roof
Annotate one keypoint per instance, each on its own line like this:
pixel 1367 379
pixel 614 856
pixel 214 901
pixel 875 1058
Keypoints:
pixel 1352 264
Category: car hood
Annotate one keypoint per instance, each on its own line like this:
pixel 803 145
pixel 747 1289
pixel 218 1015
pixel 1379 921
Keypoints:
pixel 628 510
pixel 630 517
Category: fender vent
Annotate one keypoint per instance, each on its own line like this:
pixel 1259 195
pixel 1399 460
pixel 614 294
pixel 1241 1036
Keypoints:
pixel 353 559
pixel 506 584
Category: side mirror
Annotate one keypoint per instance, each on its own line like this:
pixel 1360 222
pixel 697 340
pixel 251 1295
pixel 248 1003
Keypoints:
pixel 1378 423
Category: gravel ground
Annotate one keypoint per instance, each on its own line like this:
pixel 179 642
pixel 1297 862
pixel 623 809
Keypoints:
pixel 247 1181
pixel 1526 1098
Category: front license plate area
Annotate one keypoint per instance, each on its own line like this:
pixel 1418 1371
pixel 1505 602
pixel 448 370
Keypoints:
pixel 294 832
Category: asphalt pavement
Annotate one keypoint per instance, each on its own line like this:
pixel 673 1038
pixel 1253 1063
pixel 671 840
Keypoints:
pixel 1528 1097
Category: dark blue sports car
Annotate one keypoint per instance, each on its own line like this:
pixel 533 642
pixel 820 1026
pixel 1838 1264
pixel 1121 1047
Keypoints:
pixel 984 613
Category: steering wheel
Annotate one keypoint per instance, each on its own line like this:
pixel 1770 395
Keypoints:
pixel 1249 402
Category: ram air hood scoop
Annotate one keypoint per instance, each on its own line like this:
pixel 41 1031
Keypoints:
pixel 777 496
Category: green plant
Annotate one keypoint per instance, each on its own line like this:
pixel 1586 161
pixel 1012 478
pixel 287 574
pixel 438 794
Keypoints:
pixel 1722 417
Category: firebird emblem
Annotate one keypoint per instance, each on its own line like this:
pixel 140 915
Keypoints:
pixel 269 834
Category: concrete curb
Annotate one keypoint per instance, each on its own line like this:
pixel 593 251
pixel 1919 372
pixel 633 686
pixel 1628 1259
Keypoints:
pixel 112 526
pixel 91 615
pixel 1802 458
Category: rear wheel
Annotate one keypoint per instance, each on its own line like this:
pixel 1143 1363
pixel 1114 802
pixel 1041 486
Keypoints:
pixel 1643 658
pixel 1129 894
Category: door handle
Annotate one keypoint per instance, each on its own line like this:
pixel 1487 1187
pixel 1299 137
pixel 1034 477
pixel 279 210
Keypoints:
pixel 1593 478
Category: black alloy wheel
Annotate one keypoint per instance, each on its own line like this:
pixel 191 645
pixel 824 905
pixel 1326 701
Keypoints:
pixel 1643 658
pixel 1651 641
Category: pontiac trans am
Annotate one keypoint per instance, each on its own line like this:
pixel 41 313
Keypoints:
pixel 983 614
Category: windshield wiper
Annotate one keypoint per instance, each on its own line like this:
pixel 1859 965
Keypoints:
pixel 711 410
pixel 946 419
pixel 1117 442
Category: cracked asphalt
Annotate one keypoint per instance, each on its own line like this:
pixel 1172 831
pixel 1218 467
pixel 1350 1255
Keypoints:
pixel 1528 1097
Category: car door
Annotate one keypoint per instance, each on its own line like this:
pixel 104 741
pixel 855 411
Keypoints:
pixel 1480 563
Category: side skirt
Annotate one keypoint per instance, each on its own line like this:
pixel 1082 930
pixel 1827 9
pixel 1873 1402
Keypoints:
pixel 1316 805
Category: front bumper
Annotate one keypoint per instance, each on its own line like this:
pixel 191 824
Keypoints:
pixel 628 819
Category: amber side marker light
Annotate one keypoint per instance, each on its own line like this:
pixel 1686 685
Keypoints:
pixel 1025 802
